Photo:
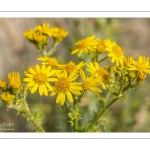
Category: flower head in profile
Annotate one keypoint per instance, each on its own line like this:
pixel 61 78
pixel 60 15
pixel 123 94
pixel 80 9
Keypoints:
pixel 7 97
pixel 115 52
pixel 141 75
pixel 102 73
pixel 128 61
pixel 101 46
pixel 39 77
pixel 141 65
pixel 3 85
pixel 44 29
pixel 65 86
pixel 59 34
pixel 14 80
pixel 85 45
pixel 91 83
pixel 53 62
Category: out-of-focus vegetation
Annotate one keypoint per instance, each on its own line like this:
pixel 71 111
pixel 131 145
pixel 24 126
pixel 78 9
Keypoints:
pixel 17 54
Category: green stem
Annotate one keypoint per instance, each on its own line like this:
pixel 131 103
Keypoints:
pixel 75 127
pixel 53 49
pixel 103 59
pixel 23 108
pixel 101 112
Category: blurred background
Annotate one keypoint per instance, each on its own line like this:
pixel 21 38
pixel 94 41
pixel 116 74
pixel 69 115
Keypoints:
pixel 17 54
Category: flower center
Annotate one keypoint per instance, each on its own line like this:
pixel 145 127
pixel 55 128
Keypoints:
pixel 63 84
pixel 83 44
pixel 117 50
pixel 52 61
pixel 70 67
pixel 40 78
pixel 86 85
pixel 102 73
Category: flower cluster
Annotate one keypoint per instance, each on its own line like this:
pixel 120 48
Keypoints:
pixel 115 52
pixel 9 93
pixel 40 34
pixel 65 80
pixel 70 80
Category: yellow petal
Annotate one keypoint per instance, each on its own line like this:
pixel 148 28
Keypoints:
pixel 30 84
pixel 74 51
pixel 80 53
pixel 75 92
pixel 53 93
pixel 27 79
pixel 41 90
pixel 32 71
pixel 59 97
pixel 43 68
pixel 49 86
pixel 83 76
pixel 29 75
pixel 38 68
pixel 69 96
pixel 34 88
pixel 62 101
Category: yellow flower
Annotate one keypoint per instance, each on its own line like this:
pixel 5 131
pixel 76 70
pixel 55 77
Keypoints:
pixel 115 51
pixel 3 84
pixel 59 33
pixel 91 83
pixel 14 80
pixel 65 86
pixel 142 65
pixel 40 77
pixel 7 97
pixel 39 37
pixel 71 67
pixel 85 45
pixel 44 29
pixel 102 73
pixel 53 62
pixel 28 35
pixel 101 46
pixel 142 75
pixel 128 61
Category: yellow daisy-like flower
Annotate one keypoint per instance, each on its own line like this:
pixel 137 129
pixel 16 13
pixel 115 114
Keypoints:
pixel 142 75
pixel 128 61
pixel 40 77
pixel 39 37
pixel 3 84
pixel 71 67
pixel 53 62
pixel 91 83
pixel 85 45
pixel 101 46
pixel 44 29
pixel 14 80
pixel 142 65
pixel 7 97
pixel 28 35
pixel 59 33
pixel 102 73
pixel 65 86
pixel 115 52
